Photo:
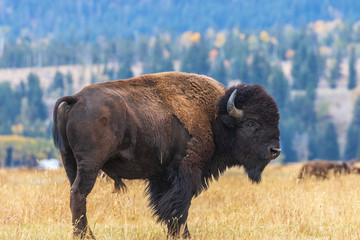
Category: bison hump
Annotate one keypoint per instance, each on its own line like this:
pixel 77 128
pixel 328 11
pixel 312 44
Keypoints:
pixel 192 99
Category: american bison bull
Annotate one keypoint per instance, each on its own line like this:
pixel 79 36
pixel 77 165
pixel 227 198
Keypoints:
pixel 178 131
pixel 321 168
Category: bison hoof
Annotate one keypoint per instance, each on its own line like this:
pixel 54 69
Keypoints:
pixel 83 234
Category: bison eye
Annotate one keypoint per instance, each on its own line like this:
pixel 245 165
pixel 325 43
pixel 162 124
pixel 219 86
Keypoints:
pixel 250 124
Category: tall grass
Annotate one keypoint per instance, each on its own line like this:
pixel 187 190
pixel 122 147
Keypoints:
pixel 35 205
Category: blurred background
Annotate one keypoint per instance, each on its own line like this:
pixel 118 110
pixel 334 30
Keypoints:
pixel 304 52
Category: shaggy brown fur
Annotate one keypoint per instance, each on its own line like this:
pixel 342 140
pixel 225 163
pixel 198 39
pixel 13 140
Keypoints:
pixel 172 130
pixel 321 168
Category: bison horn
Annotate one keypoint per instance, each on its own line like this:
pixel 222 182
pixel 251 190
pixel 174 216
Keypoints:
pixel 232 110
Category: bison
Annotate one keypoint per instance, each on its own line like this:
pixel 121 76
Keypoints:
pixel 321 168
pixel 354 169
pixel 177 131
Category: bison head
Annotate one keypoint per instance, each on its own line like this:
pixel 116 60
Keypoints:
pixel 247 129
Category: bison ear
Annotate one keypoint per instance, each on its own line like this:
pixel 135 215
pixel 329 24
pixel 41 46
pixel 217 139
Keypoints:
pixel 228 121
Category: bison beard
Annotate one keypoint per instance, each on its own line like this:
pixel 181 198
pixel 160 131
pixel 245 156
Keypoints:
pixel 255 173
pixel 177 131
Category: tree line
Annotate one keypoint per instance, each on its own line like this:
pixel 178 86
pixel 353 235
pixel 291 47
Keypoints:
pixel 86 20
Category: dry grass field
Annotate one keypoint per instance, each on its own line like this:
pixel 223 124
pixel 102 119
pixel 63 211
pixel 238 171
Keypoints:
pixel 35 205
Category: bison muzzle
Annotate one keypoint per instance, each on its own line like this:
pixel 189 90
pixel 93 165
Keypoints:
pixel 177 131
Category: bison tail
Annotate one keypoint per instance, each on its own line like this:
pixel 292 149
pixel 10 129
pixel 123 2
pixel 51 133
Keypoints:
pixel 58 142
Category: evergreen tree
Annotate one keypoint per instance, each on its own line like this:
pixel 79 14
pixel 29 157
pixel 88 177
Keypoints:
pixel 69 84
pixel 160 58
pixel 260 69
pixel 9 107
pixel 329 147
pixel 335 73
pixel 93 79
pixel 195 59
pixel 109 72
pixel 299 68
pixel 125 71
pixel 315 66
pixel 125 59
pixel 142 49
pixel 352 70
pixel 302 107
pixel 219 73
pixel 307 64
pixel 288 128
pixel 9 162
pixel 279 87
pixel 21 89
pixel 352 142
pixel 238 51
pixel 353 134
pixel 313 145
pixel 36 106
pixel 240 69
pixel 58 84
pixel 156 57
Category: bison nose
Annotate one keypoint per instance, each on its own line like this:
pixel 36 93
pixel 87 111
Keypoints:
pixel 275 152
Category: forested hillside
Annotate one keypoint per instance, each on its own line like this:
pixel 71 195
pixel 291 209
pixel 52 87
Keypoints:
pixel 90 19
pixel 309 65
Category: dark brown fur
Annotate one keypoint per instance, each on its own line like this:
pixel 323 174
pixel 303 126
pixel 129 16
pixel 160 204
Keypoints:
pixel 321 168
pixel 171 129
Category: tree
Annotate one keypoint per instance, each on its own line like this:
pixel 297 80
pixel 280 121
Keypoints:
pixel 195 58
pixel 125 71
pixel 125 60
pixel 335 73
pixel 219 73
pixel 160 57
pixel 329 147
pixel 352 142
pixel 58 84
pixel 353 134
pixel 352 70
pixel 288 128
pixel 9 162
pixel 302 108
pixel 9 107
pixel 109 72
pixel 260 69
pixel 299 68
pixel 240 69
pixel 69 88
pixel 307 64
pixel 300 144
pixel 279 87
pixel 36 106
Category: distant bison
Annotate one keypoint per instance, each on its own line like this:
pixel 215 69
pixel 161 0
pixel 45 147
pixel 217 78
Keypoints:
pixel 321 168
pixel 178 131
pixel 354 170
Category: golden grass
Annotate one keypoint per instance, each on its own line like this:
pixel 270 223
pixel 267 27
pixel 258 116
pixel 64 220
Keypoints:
pixel 35 205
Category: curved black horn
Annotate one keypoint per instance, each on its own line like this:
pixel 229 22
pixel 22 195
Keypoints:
pixel 232 110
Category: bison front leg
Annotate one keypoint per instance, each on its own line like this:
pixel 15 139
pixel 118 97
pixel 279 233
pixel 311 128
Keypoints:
pixel 84 182
pixel 171 203
pixel 177 228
